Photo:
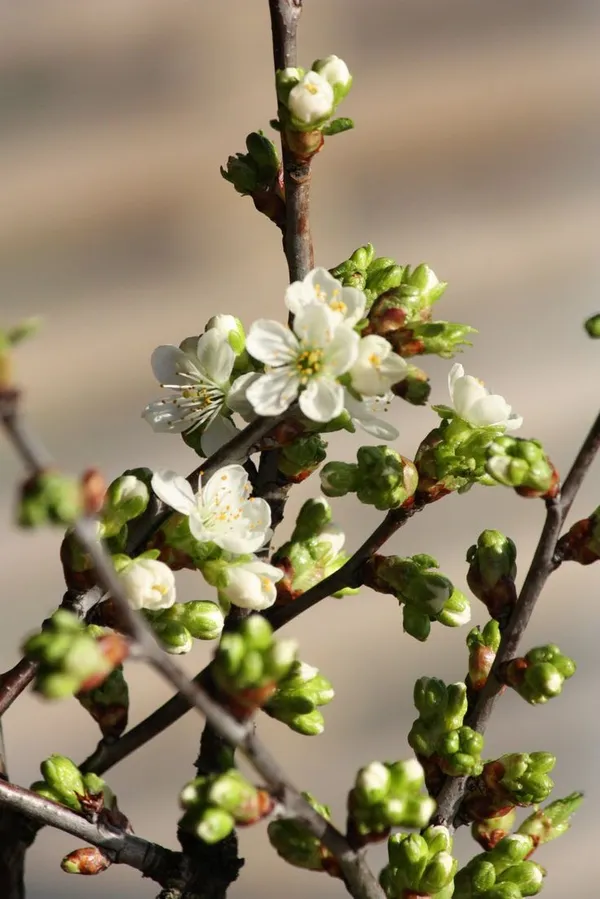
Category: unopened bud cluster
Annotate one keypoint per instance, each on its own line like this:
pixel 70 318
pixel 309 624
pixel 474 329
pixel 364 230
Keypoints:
pixel 178 626
pixel 515 779
pixel 425 594
pixel 64 783
pixel 522 464
pixel 388 794
pixel 419 865
pixel 438 733
pixel 539 675
pixel 492 572
pixel 380 477
pixel 297 698
pixel 215 804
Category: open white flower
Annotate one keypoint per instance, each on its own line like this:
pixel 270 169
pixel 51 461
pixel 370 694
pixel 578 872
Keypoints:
pixel 377 367
pixel 307 361
pixel 476 405
pixel 222 511
pixel 363 415
pixel 199 375
pixel 251 585
pixel 148 584
pixel 321 287
pixel 311 100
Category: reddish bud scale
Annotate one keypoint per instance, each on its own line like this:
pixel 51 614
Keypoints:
pixel 551 493
pixel 115 649
pixel 481 659
pixel 91 804
pixel 384 321
pixel 491 799
pixel 489 839
pixel 89 860
pixel 285 592
pixel 255 810
pixel 303 144
pixel 93 485
pixel 270 204
pixel 285 433
pixel 577 544
pixel 512 672
pixel 406 345
pixel 410 894
pixel 330 864
pixel 111 719
pixel 499 598
pixel 242 705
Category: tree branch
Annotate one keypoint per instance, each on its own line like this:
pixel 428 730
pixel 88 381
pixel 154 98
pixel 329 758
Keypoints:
pixel 122 848
pixel 542 566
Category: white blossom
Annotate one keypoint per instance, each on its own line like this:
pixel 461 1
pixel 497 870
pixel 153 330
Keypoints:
pixel 229 328
pixel 377 367
pixel 321 287
pixel 148 584
pixel 363 415
pixel 476 405
pixel 198 374
pixel 305 361
pixel 311 100
pixel 222 511
pixel 334 70
pixel 251 585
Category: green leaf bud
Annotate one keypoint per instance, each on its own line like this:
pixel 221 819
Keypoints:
pixel 551 822
pixel 339 478
pixel 64 779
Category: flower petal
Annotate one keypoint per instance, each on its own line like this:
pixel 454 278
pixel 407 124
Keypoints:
pixel 456 372
pixel 515 421
pixel 342 351
pixel 466 392
pixel 165 361
pixel 164 417
pixel 273 393
pixel 236 396
pixel 322 400
pixel 489 410
pixel 219 432
pixel 270 342
pixel 315 325
pixel 215 356
pixel 355 302
pixel 227 486
pixel 174 491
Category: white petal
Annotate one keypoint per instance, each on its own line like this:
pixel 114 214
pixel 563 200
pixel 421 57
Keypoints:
pixel 456 372
pixel 273 393
pixel 342 351
pixel 355 302
pixel 226 486
pixel 515 421
pixel 236 396
pixel 467 391
pixel 362 416
pixel 315 325
pixel 270 342
pixel 174 491
pixel 322 400
pixel 165 361
pixel 215 356
pixel 164 417
pixel 489 410
pixel 296 297
pixel 219 432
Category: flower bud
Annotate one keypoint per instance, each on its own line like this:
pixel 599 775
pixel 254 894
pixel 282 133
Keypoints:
pixel 522 464
pixel 483 646
pixel 522 777
pixel 88 860
pixel 539 675
pixel 582 542
pixel 309 103
pixel 336 72
pixel 298 460
pixel 49 498
pixel 492 572
pixel 314 515
pixel 174 637
pixel 64 779
pixel 297 697
pixel 592 326
pixel 294 843
pixel 425 283
pixel 490 831
pixel 384 479
pixel 388 795
pixel 230 329
pixel 443 339
pixel 419 865
pixel 126 498
pixel 339 478
pixel 526 876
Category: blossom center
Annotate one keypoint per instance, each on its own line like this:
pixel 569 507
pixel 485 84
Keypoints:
pixel 375 360
pixel 309 363
pixel 311 88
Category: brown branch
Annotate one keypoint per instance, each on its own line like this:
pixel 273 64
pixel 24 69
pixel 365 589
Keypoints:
pixel 542 566
pixel 122 848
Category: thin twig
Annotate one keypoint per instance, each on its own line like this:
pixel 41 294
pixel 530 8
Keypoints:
pixel 122 848
pixel 542 566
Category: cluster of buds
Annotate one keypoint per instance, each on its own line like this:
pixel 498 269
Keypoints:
pixel 380 477
pixel 501 873
pixel 71 657
pixel 522 464
pixel 386 795
pixel 313 552
pixel 178 626
pixel 438 733
pixel 518 778
pixel 483 644
pixel 64 783
pixel 453 456
pixel 546 824
pixel 308 100
pixel 214 804
pixel 425 594
pixel 492 572
pixel 296 700
pixel 296 845
pixel 249 663
pixel 539 675
pixel 299 459
pixel 259 174
pixel 582 542
pixel 108 703
pixel 419 865
pixel 50 498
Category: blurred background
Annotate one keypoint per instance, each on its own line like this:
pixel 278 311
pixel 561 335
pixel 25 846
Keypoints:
pixel 476 150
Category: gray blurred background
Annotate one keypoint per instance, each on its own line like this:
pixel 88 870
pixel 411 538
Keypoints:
pixel 476 149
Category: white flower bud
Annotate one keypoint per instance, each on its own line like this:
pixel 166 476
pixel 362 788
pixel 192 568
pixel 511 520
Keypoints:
pixel 148 584
pixel 311 101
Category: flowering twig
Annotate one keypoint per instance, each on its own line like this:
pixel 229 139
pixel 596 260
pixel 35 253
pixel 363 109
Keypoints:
pixel 122 848
pixel 544 562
